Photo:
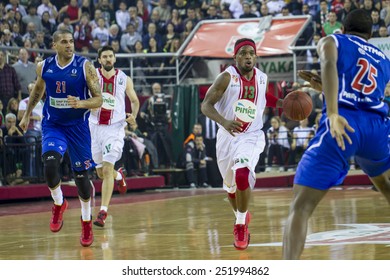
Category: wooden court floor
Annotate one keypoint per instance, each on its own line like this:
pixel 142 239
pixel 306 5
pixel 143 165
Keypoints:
pixel 185 224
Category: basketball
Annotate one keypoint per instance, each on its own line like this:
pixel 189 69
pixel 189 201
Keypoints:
pixel 297 105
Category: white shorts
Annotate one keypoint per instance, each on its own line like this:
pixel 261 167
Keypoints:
pixel 240 151
pixel 107 142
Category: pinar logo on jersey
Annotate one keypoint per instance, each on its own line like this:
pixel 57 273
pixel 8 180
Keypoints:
pixel 245 110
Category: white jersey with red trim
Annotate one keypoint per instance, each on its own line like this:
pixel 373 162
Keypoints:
pixel 240 88
pixel 114 97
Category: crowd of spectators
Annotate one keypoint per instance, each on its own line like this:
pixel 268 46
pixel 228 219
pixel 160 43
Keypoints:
pixel 147 26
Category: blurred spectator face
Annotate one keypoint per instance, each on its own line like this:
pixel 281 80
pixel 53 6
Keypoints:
pixel 156 88
pixel 23 55
pixel 73 3
pixel 97 14
pixel 84 20
pixel 40 37
pixel 10 122
pixel 152 43
pixel 375 16
pixel 45 16
pixel 27 43
pixel 7 35
pixel 191 14
pixel 122 6
pixel 114 29
pixel 226 14
pixel 101 22
pixel 285 12
pixel 323 6
pixel 30 27
pixel 199 142
pixel 115 46
pixel 130 29
pixel 367 4
pixel 170 28
pixel 246 8
pixel 15 28
pixel 155 16
pixel 197 129
pixel 138 46
pixel 347 4
pixel 305 9
pixel 275 123
pixel 212 11
pixel 332 17
pixel 152 29
pixel 264 9
pixel 383 32
pixel 175 13
pixel 96 44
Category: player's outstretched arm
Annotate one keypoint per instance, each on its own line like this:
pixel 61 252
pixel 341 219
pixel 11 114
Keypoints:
pixel 35 96
pixel 94 87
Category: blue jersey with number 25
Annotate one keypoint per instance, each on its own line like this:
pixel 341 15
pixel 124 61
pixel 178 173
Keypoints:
pixel 363 71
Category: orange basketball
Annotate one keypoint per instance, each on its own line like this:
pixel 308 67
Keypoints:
pixel 297 105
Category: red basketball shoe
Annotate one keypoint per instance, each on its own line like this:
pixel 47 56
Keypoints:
pixel 86 237
pixel 241 236
pixel 122 187
pixel 101 219
pixel 56 221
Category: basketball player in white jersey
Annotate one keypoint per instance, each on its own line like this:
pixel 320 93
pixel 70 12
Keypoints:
pixel 107 126
pixel 239 144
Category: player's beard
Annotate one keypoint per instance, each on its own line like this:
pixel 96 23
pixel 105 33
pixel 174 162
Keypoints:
pixel 108 68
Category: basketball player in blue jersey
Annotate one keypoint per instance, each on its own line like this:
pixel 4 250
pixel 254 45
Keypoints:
pixel 354 75
pixel 239 144
pixel 72 89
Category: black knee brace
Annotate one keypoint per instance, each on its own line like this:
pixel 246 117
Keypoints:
pixel 51 162
pixel 83 184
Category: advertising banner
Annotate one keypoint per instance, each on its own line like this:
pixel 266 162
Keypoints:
pixel 272 36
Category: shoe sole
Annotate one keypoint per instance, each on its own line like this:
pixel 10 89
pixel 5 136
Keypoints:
pixel 243 248
pixel 57 230
pixel 96 223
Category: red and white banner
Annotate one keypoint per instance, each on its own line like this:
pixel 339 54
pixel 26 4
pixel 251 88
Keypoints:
pixel 273 36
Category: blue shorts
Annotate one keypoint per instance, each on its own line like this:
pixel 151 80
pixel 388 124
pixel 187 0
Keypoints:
pixel 76 139
pixel 324 164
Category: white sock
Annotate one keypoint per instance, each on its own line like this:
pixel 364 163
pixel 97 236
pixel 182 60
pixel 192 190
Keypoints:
pixel 57 196
pixel 118 176
pixel 240 218
pixel 85 210
pixel 105 208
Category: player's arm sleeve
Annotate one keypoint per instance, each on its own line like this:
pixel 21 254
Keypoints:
pixel 271 100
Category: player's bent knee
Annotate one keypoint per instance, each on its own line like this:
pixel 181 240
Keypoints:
pixel 242 178
pixel 83 184
pixel 232 195
pixel 51 162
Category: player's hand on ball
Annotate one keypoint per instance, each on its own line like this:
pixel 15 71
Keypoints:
pixel 314 79
pixel 338 124
pixel 232 126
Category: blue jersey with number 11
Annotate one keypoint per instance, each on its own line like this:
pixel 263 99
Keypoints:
pixel 363 71
pixel 61 82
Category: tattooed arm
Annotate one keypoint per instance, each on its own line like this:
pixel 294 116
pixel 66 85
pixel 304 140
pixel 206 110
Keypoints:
pixel 35 96
pixel 94 87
